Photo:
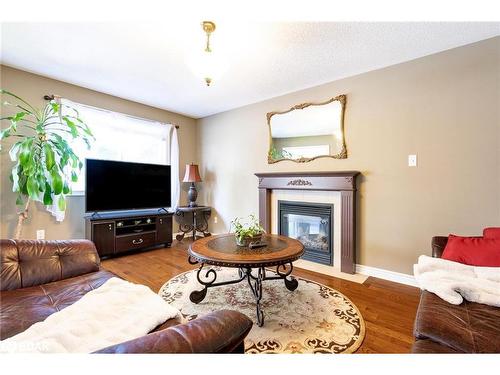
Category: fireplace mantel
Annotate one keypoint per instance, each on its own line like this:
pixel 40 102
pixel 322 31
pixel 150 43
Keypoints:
pixel 344 182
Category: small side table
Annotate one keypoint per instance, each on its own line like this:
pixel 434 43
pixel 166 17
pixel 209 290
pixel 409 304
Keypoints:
pixel 192 219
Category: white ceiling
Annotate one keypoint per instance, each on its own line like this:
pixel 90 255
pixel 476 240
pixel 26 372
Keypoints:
pixel 151 63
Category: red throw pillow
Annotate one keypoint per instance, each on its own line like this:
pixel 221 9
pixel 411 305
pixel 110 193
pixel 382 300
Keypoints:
pixel 474 251
pixel 493 232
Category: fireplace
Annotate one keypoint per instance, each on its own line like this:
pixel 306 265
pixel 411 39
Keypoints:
pixel 344 183
pixel 311 224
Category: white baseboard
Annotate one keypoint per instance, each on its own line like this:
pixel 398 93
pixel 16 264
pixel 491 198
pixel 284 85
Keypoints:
pixel 397 277
pixel 329 270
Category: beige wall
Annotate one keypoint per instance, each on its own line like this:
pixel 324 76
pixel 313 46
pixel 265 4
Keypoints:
pixel 443 107
pixel 32 88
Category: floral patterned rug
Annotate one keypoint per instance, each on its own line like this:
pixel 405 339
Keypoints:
pixel 312 319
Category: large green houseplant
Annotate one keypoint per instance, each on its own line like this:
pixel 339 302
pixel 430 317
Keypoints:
pixel 44 162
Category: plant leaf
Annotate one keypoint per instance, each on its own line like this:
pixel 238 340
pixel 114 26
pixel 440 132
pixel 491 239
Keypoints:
pixel 19 200
pixel 19 116
pixel 49 156
pixel 65 188
pixel 23 186
pixel 32 186
pixel 42 180
pixel 61 203
pixel 81 125
pixel 55 106
pixel 5 133
pixel 14 150
pixel 15 178
pixel 57 182
pixel 71 125
pixel 40 126
pixel 47 196
pixel 87 143
pixel 25 154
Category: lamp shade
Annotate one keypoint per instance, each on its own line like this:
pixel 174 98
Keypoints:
pixel 192 173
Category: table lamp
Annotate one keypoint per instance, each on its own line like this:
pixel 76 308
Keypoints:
pixel 192 175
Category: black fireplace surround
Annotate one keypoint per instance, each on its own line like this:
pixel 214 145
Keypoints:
pixel 311 224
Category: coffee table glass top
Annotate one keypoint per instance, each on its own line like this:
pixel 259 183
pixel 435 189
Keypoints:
pixel 227 244
pixel 223 249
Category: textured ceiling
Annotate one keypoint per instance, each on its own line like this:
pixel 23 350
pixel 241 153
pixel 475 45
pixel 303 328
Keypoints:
pixel 153 63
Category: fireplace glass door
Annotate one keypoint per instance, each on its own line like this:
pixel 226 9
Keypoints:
pixel 311 224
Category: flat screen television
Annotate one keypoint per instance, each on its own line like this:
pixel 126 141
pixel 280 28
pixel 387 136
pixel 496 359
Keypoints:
pixel 116 185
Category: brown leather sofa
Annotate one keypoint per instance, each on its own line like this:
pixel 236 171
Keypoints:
pixel 441 327
pixel 39 278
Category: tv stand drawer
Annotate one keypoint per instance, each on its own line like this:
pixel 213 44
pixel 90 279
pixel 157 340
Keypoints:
pixel 135 241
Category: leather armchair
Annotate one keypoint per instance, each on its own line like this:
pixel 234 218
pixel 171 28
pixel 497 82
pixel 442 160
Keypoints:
pixel 38 278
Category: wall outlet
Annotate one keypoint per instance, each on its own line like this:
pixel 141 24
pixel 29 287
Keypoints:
pixel 412 160
pixel 40 234
pixel 215 219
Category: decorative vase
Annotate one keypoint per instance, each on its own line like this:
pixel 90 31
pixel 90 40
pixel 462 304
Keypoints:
pixel 192 195
pixel 245 241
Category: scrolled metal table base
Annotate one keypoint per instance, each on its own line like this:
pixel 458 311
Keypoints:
pixel 195 221
pixel 208 277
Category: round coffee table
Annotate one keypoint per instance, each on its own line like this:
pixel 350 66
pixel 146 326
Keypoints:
pixel 221 250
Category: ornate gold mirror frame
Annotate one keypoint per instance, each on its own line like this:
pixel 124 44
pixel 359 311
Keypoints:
pixel 342 154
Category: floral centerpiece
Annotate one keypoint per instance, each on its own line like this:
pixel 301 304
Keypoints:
pixel 246 232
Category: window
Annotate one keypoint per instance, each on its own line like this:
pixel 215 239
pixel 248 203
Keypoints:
pixel 120 137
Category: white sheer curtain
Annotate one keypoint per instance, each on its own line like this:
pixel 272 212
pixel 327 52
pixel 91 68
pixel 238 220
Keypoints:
pixel 124 138
pixel 174 167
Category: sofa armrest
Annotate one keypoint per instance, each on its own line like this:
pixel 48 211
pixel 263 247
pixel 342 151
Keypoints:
pixel 438 244
pixel 219 332
pixel 431 347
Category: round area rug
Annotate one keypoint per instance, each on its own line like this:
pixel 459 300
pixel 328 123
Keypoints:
pixel 312 319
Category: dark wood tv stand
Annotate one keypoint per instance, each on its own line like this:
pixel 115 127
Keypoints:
pixel 115 234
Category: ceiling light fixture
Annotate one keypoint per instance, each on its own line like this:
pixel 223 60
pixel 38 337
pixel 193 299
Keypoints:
pixel 208 28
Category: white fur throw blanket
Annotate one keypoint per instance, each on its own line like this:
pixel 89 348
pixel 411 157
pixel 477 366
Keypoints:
pixel 115 312
pixel 454 281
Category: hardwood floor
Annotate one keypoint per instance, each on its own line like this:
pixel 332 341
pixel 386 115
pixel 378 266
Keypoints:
pixel 388 308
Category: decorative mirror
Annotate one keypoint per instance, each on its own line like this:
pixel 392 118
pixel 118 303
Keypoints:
pixel 308 131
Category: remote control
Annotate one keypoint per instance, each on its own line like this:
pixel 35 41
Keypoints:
pixel 256 244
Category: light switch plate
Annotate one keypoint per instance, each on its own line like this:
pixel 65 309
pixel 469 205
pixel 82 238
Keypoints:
pixel 412 160
pixel 40 234
pixel 215 219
